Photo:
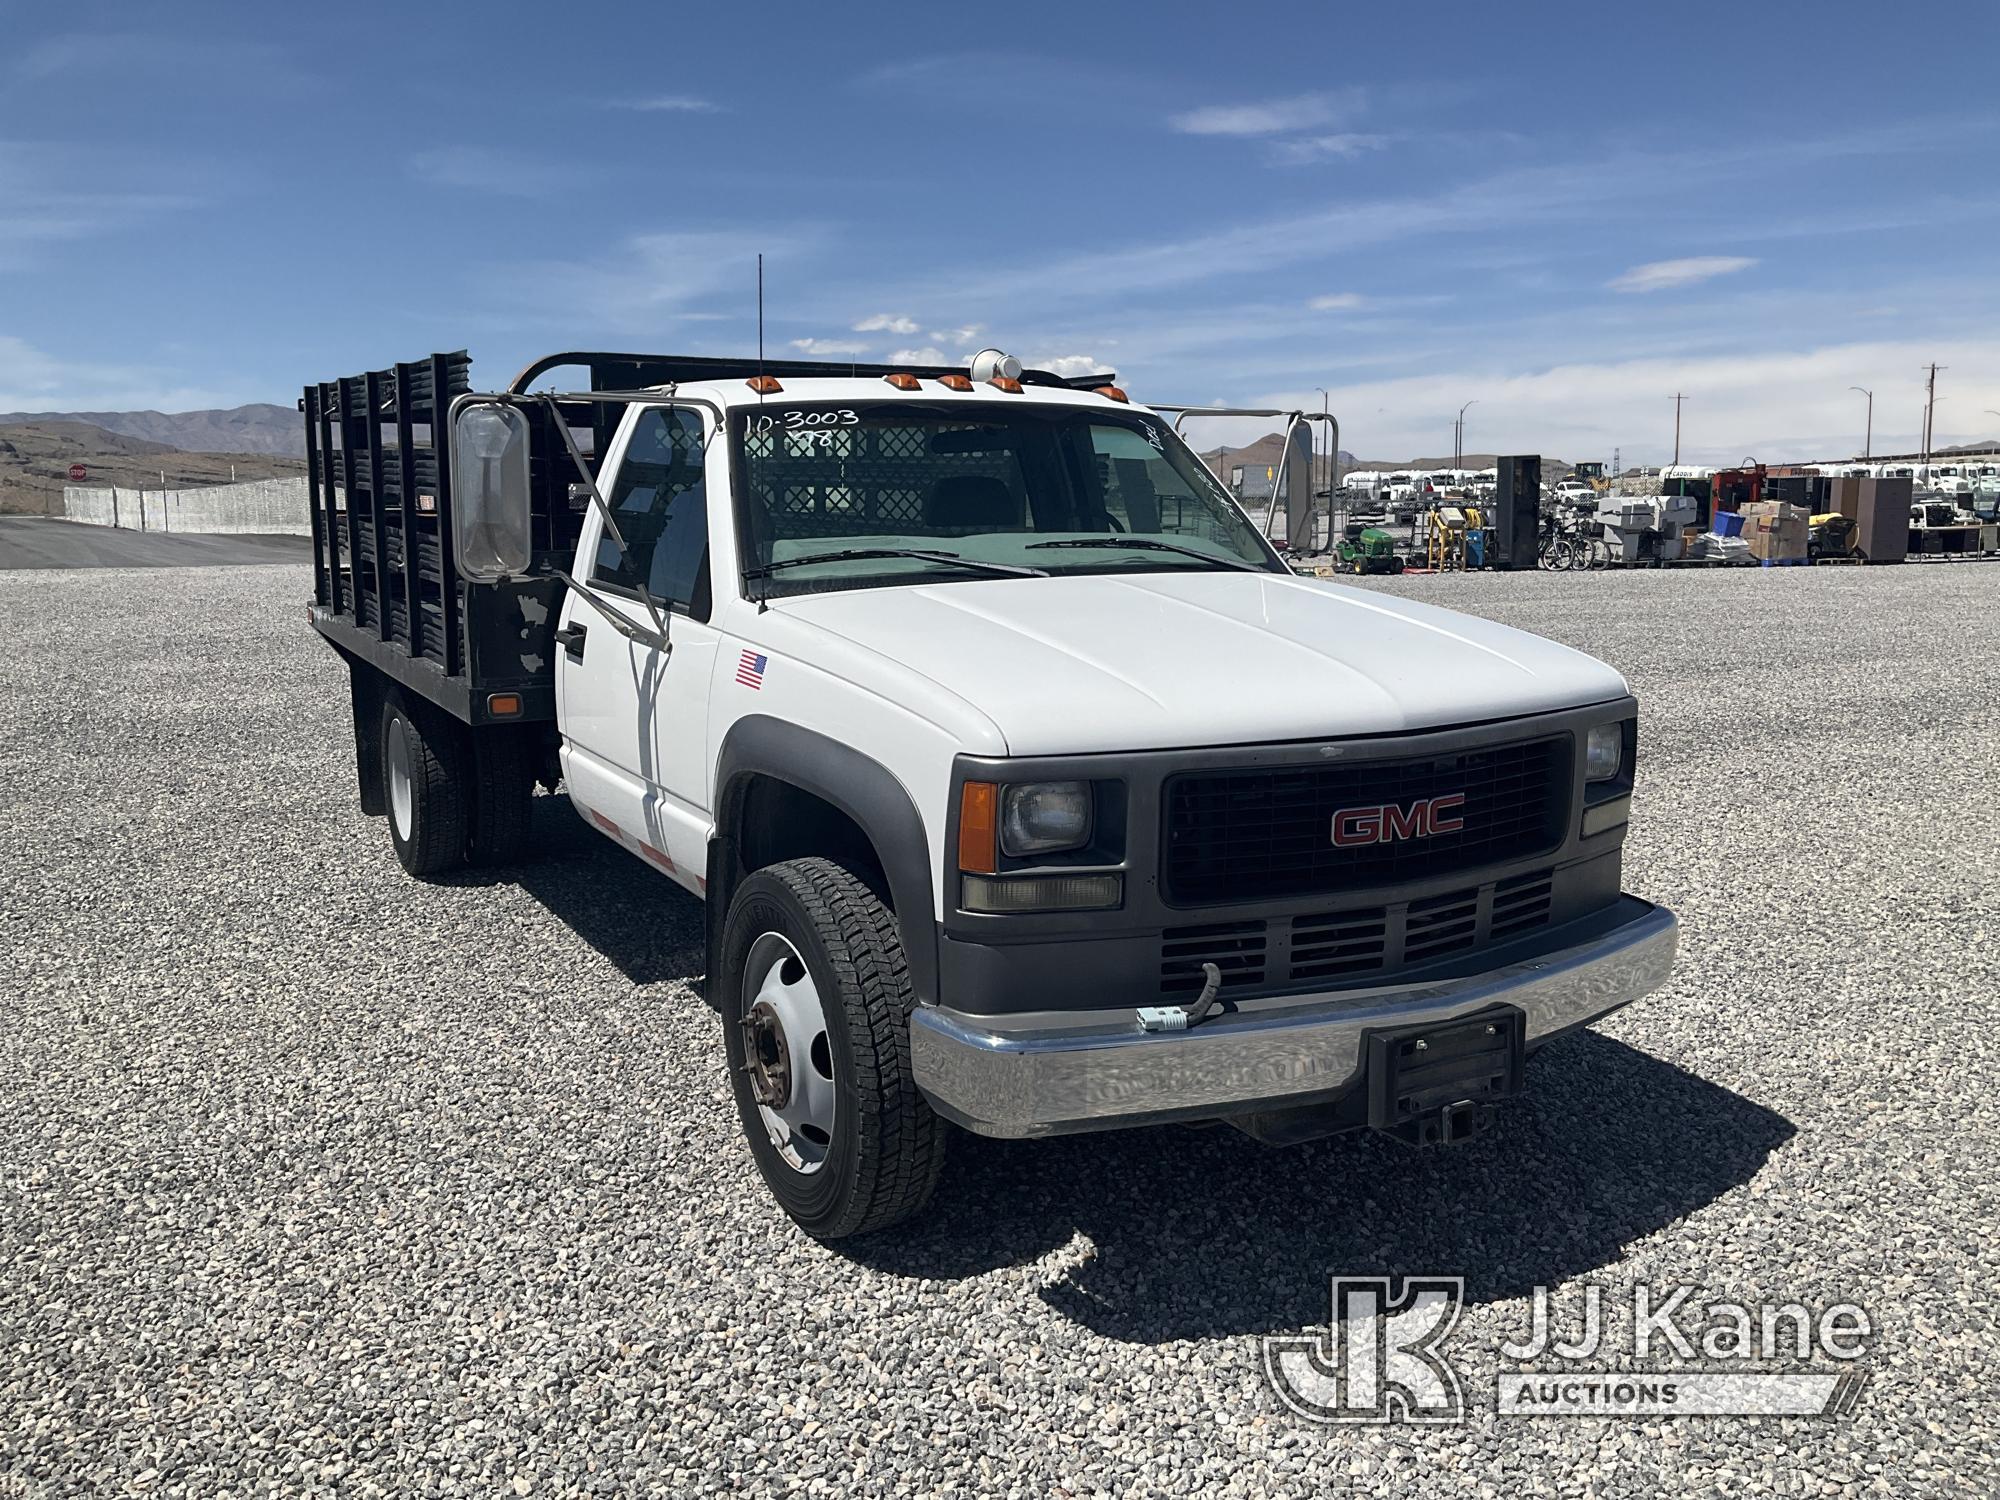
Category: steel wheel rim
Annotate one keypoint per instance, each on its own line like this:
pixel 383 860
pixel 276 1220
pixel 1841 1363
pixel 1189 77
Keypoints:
pixel 400 799
pixel 788 1053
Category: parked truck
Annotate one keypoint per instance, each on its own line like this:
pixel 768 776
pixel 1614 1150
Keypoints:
pixel 1028 790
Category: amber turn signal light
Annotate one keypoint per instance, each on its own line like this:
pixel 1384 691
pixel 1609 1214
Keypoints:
pixel 979 827
pixel 504 705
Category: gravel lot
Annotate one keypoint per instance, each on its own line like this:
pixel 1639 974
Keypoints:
pixel 316 1180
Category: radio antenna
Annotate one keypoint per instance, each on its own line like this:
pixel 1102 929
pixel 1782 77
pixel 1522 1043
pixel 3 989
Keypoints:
pixel 760 328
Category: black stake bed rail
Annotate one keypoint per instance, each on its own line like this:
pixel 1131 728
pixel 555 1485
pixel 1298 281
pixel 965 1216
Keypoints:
pixel 378 455
pixel 385 589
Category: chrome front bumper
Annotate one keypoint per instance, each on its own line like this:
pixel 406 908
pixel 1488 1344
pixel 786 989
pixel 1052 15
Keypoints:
pixel 1269 1053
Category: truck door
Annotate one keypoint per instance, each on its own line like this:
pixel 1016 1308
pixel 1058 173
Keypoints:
pixel 635 718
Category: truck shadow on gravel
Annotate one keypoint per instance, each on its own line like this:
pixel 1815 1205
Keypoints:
pixel 647 927
pixel 1200 1233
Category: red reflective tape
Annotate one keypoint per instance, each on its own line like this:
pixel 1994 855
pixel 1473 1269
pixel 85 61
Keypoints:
pixel 606 824
pixel 658 856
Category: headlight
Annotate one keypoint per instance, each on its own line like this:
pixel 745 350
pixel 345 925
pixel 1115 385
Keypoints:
pixel 1603 751
pixel 1039 817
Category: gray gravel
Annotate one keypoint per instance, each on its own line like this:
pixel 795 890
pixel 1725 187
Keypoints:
pixel 314 1180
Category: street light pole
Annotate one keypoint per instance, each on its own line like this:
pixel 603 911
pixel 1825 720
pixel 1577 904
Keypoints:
pixel 1458 438
pixel 1868 442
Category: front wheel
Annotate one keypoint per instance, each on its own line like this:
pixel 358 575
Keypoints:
pixel 816 1001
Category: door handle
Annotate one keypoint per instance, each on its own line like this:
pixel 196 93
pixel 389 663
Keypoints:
pixel 571 637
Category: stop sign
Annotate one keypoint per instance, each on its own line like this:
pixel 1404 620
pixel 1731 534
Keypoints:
pixel 78 473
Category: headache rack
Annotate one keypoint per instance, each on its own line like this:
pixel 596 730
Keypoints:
pixel 378 454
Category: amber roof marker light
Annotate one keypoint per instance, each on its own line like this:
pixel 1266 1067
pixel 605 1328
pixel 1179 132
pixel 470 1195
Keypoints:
pixel 1113 393
pixel 904 382
pixel 764 385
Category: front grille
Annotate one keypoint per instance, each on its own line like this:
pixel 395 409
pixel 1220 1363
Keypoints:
pixel 1441 925
pixel 1235 948
pixel 1342 942
pixel 1522 904
pixel 1267 833
pixel 1328 947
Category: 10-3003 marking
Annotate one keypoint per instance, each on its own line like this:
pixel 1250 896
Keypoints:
pixel 799 420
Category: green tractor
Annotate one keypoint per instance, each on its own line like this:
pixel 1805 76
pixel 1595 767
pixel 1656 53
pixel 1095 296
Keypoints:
pixel 1367 549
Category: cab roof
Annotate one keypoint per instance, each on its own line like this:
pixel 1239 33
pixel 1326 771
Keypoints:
pixel 733 394
pixel 634 372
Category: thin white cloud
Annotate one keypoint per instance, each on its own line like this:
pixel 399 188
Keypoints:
pixel 647 280
pixel 685 104
pixel 1344 146
pixel 1776 403
pixel 1069 366
pixel 926 356
pixel 830 346
pixel 960 336
pixel 1338 302
pixel 32 380
pixel 195 62
pixel 1660 275
pixel 1316 229
pixel 60 193
pixel 887 323
pixel 1272 116
pixel 487 169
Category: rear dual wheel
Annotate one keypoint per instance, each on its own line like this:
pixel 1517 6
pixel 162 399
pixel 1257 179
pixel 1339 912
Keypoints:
pixel 423 776
pixel 453 796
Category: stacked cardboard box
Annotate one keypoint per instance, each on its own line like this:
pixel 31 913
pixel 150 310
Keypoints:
pixel 1775 530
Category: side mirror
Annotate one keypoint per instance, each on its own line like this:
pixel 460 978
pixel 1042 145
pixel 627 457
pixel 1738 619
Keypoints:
pixel 491 536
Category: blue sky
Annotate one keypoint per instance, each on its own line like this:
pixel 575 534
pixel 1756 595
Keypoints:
pixel 1564 213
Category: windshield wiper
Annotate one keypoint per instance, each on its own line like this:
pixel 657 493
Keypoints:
pixel 1146 544
pixel 1004 570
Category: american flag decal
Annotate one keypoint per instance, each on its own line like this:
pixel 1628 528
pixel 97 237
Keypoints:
pixel 750 669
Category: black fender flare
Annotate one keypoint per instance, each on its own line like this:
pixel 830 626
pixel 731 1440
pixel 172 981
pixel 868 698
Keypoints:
pixel 862 788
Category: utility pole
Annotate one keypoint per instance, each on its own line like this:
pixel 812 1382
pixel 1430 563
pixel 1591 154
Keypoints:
pixel 1678 399
pixel 1930 408
pixel 1868 442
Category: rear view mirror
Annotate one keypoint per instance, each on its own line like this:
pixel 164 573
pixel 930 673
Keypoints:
pixel 489 491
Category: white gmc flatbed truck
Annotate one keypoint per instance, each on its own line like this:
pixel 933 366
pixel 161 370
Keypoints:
pixel 1028 788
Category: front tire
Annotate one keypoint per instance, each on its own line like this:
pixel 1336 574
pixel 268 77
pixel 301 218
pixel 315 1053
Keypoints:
pixel 816 1000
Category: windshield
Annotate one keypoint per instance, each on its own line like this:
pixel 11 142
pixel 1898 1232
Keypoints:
pixel 989 484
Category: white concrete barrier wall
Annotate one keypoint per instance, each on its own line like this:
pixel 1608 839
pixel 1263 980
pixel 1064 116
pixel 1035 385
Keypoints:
pixel 267 507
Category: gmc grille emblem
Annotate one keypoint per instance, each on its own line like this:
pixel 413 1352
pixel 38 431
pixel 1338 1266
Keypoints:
pixel 1389 824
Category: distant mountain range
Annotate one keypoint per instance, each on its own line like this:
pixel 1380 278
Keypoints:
pixel 36 459
pixel 257 428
